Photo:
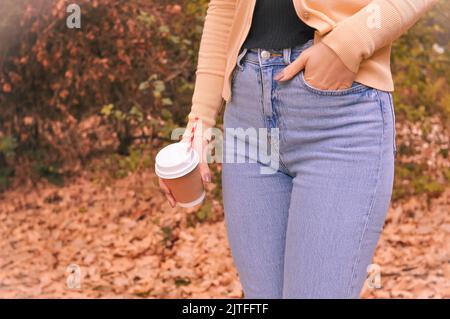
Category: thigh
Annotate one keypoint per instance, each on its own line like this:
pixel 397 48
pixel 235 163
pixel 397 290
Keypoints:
pixel 343 165
pixel 256 210
pixel 256 199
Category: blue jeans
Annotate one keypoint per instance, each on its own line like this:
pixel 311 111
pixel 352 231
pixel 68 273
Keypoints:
pixel 310 228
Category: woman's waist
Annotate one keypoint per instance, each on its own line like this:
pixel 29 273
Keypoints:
pixel 268 57
pixel 374 71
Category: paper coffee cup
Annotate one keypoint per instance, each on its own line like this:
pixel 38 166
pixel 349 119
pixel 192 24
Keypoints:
pixel 179 169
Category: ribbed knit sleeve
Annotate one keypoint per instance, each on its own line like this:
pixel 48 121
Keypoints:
pixel 211 65
pixel 376 25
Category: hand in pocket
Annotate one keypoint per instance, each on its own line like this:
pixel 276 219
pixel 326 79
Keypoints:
pixel 324 69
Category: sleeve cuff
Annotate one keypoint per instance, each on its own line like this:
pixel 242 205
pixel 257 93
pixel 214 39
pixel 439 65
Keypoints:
pixel 347 51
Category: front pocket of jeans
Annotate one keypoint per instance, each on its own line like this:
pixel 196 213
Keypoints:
pixel 237 70
pixel 356 87
pixel 233 76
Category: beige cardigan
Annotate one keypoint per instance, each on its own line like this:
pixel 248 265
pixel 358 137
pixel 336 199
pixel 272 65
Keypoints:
pixel 360 32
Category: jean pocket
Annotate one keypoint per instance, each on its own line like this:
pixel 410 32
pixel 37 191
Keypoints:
pixel 236 71
pixel 355 88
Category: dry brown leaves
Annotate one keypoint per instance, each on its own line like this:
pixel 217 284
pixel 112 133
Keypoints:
pixel 115 235
pixel 129 243
pixel 414 251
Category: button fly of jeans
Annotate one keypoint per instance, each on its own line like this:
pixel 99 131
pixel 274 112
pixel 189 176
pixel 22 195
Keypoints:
pixel 265 54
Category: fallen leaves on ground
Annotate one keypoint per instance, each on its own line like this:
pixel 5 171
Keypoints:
pixel 129 243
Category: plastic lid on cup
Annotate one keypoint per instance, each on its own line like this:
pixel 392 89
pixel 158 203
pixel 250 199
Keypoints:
pixel 175 160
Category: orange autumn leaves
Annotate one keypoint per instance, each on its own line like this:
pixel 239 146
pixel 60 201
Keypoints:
pixel 7 88
pixel 55 74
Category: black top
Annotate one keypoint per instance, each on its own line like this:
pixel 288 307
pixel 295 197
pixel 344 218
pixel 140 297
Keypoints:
pixel 275 25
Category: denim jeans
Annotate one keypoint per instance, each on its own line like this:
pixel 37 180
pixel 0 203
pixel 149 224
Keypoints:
pixel 310 228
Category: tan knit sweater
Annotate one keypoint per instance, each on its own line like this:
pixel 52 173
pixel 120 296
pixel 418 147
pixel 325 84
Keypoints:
pixel 360 32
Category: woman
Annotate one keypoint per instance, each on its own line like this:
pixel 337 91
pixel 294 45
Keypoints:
pixel 314 78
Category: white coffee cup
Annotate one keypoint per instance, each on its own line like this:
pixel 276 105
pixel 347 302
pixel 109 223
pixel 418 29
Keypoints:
pixel 177 165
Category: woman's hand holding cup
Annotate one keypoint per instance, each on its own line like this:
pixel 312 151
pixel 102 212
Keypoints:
pixel 200 145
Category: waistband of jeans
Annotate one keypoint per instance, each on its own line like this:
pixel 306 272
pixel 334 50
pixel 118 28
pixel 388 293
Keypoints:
pixel 283 56
pixel 297 48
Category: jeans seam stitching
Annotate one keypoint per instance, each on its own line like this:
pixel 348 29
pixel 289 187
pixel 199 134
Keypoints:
pixel 372 201
pixel 234 75
pixel 261 95
pixel 391 106
pixel 280 131
pixel 354 89
pixel 281 125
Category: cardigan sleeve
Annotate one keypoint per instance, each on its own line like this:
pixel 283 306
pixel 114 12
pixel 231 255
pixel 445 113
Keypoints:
pixel 212 57
pixel 374 26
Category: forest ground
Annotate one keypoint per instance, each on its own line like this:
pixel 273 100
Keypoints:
pixel 129 243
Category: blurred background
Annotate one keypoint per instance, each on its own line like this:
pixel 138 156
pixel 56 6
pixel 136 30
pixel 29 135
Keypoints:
pixel 82 113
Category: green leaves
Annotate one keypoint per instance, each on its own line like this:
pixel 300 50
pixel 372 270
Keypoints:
pixel 146 18
pixel 7 145
pixel 158 88
pixel 107 109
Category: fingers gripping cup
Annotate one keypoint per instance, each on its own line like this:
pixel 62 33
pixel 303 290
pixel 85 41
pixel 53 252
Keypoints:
pixel 177 165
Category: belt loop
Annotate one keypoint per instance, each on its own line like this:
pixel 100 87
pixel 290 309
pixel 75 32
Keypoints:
pixel 287 55
pixel 240 57
pixel 259 56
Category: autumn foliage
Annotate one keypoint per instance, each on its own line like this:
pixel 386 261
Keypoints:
pixel 126 77
pixel 131 59
pixel 101 100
